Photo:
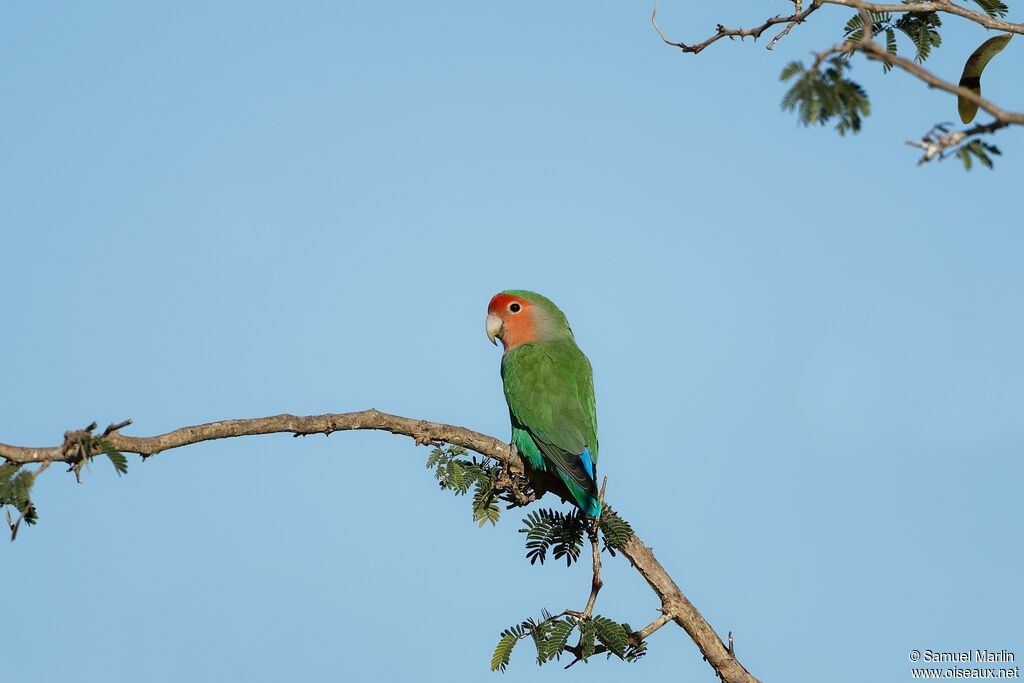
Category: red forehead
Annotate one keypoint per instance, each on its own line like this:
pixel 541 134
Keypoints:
pixel 499 302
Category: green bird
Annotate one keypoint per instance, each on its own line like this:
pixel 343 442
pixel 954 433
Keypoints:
pixel 549 387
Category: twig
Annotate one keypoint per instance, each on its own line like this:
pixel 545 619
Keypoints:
pixel 635 638
pixel 40 470
pixel 723 32
pixel 111 428
pixel 651 627
pixel 595 583
pixel 939 142
pixel 797 11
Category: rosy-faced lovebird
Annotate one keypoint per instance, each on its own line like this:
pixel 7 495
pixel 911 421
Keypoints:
pixel 549 388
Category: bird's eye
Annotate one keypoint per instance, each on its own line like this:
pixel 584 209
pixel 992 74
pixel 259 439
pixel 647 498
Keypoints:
pixel 514 307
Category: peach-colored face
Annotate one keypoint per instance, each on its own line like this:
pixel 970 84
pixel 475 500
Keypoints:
pixel 518 319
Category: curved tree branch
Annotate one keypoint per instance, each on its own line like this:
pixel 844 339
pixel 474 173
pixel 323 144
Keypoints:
pixel 674 605
pixel 944 7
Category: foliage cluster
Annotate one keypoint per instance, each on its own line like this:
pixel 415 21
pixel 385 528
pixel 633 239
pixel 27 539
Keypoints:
pixel 562 534
pixel 824 92
pixel 551 633
pixel 16 481
pixel 15 487
pixel 548 532
pixel 458 473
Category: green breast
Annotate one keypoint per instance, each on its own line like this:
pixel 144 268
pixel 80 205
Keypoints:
pixel 550 392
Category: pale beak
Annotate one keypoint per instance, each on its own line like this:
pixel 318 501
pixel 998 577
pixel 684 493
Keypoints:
pixel 493 325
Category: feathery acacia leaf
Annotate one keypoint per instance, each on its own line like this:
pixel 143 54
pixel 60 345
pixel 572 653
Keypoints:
pixel 116 457
pixel 818 96
pixel 556 531
pixel 790 70
pixel 977 149
pixel 890 47
pixel 993 8
pixel 635 652
pixel 503 650
pixel 15 489
pixel 557 637
pixel 458 474
pixel 854 29
pixel 588 633
pixel 921 27
pixel 615 530
pixel 485 507
pixel 612 635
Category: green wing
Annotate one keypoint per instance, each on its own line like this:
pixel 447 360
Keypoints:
pixel 549 387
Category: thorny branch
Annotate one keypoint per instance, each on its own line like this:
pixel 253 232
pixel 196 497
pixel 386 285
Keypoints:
pixel 674 605
pixel 798 16
pixel 939 141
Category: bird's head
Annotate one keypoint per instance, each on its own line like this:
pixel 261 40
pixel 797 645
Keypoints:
pixel 518 316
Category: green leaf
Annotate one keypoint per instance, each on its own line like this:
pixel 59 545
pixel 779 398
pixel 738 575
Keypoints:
pixel 503 651
pixel 455 478
pixel 435 457
pixel 993 8
pixel 15 488
pixel 557 637
pixel 569 543
pixel 116 457
pixel 890 47
pixel 615 530
pixel 976 149
pixel 790 70
pixel 588 632
pixel 635 652
pixel 459 474
pixel 537 526
pixel 921 27
pixel 485 507
pixel 613 635
pixel 854 29
pixel 821 95
pixel 556 531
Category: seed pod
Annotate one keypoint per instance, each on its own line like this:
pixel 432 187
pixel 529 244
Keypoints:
pixel 971 78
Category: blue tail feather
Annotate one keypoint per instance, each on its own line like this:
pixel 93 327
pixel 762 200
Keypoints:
pixel 585 499
pixel 588 464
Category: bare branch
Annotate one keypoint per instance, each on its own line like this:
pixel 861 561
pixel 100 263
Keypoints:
pixel 722 32
pixel 595 583
pixel 674 605
pixel 940 142
pixel 421 431
pixel 798 8
pixel 652 627
pixel 800 14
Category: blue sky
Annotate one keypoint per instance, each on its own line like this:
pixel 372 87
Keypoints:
pixel 807 350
